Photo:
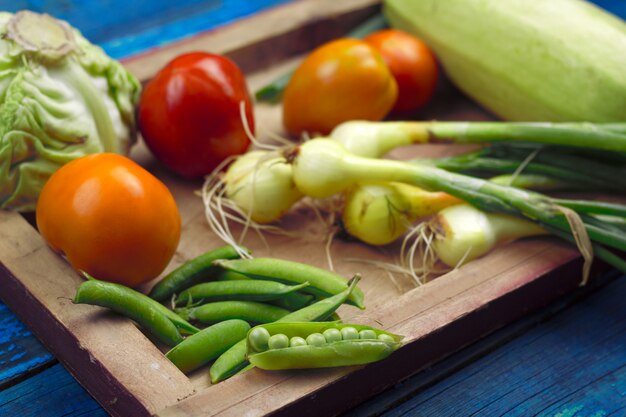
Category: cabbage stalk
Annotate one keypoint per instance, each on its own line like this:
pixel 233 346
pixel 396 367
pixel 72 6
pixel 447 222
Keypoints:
pixel 61 98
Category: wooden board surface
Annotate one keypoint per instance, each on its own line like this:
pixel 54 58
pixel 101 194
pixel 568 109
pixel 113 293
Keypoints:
pixel 129 375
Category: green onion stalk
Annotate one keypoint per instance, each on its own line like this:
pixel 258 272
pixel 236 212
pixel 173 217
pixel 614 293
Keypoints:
pixel 375 139
pixel 380 213
pixel 323 167
pixel 566 170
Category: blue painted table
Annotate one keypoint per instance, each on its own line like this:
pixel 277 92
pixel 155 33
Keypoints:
pixel 568 360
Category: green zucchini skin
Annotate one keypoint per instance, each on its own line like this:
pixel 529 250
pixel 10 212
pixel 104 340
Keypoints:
pixel 526 60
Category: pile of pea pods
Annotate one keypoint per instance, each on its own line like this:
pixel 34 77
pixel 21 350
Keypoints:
pixel 290 304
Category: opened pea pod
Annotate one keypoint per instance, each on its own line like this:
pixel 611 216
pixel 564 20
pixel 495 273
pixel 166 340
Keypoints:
pixel 298 345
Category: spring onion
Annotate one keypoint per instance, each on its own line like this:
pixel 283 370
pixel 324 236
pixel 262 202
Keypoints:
pixel 256 189
pixel 379 214
pixel 463 233
pixel 573 170
pixel 374 139
pixel 323 167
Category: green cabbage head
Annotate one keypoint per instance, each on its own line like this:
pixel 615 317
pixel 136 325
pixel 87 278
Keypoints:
pixel 60 98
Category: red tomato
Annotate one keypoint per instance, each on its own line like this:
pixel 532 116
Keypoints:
pixel 110 217
pixel 412 64
pixel 189 113
pixel 342 80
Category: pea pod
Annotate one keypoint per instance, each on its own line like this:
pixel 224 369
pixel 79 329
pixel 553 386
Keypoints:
pixel 131 304
pixel 206 345
pixel 191 272
pixel 224 310
pixel 323 283
pixel 292 301
pixel 325 346
pixel 234 360
pixel 244 290
pixel 183 325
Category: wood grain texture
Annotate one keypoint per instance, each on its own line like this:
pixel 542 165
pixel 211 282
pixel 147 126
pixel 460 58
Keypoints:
pixel 438 319
pixel 20 352
pixel 140 25
pixel 53 392
pixel 266 38
pixel 572 365
pixel 128 375
pixel 114 360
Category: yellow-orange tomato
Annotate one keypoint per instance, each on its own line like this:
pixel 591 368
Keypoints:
pixel 412 64
pixel 342 80
pixel 110 217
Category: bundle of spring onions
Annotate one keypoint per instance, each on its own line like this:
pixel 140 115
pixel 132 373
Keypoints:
pixel 380 194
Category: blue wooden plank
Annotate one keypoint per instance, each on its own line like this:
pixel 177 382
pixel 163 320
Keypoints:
pixel 53 392
pixel 573 365
pixel 124 27
pixel 20 352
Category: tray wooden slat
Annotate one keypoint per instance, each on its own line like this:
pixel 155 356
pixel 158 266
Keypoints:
pixel 115 362
pixel 439 318
pixel 129 375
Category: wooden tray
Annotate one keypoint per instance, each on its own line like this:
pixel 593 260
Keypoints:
pixel 130 376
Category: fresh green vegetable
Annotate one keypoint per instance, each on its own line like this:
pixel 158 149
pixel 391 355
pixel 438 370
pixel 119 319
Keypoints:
pixel 323 167
pixel 324 346
pixel 322 282
pixel 60 98
pixel 193 271
pixel 240 290
pixel 379 214
pixel 567 169
pixel 256 189
pixel 375 139
pixel 133 305
pixel 234 359
pixel 206 345
pixel 557 60
pixel 181 324
pixel 291 301
pixel 532 182
pixel 260 184
pixel 224 310
pixel 463 232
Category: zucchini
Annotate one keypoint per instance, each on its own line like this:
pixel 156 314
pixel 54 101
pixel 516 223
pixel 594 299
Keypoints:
pixel 526 60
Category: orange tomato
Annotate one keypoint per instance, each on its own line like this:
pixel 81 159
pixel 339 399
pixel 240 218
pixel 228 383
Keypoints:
pixel 342 80
pixel 412 64
pixel 110 218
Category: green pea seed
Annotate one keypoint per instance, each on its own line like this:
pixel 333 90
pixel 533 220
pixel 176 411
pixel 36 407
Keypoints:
pixel 386 338
pixel 259 339
pixel 234 359
pixel 332 335
pixel 297 341
pixel 315 339
pixel 278 341
pixel 349 333
pixel 367 334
